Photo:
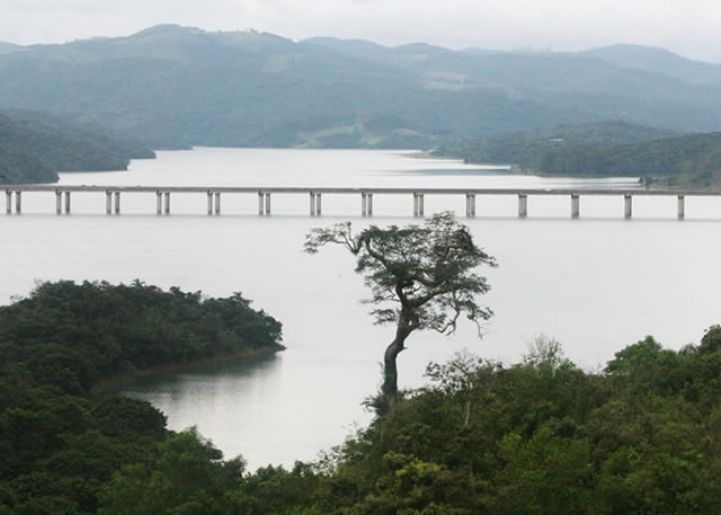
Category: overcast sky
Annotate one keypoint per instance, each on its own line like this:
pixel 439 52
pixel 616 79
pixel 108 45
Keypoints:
pixel 689 27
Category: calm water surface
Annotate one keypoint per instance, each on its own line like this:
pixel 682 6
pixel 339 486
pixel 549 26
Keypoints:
pixel 596 284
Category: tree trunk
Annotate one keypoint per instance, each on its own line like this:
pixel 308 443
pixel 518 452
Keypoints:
pixel 390 371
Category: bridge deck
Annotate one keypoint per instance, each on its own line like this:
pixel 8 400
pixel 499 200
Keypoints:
pixel 360 190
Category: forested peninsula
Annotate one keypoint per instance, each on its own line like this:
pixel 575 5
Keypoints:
pixel 34 147
pixel 542 436
pixel 611 149
pixel 59 444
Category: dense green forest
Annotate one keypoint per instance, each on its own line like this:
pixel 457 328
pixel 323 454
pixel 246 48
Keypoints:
pixel 539 437
pixel 613 149
pixel 175 87
pixel 34 147
pixel 542 436
pixel 59 444
pixel 97 329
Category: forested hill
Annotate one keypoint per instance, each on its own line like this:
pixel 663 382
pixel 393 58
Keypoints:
pixel 97 329
pixel 603 150
pixel 34 147
pixel 172 86
pixel 59 444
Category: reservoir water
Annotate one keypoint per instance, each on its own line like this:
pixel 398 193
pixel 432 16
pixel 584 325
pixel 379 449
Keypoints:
pixel 595 284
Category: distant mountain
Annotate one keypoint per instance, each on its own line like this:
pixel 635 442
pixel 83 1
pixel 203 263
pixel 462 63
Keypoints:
pixel 658 60
pixel 171 86
pixel 34 147
pixel 611 149
pixel 356 47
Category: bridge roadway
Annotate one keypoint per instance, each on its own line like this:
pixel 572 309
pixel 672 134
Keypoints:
pixel 163 193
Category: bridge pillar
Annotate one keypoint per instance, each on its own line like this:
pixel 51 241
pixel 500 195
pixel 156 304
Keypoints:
pixel 418 205
pixel 58 202
pixel 210 203
pixel 522 206
pixel 217 202
pixel 267 203
pixel 18 202
pixel 681 207
pixel 367 204
pixel 116 194
pixel 108 202
pixel 575 206
pixel 261 204
pixel 627 206
pixel 8 202
pixel 167 203
pixel 470 205
pixel 67 202
pixel 318 204
pixel 312 203
pixel 158 203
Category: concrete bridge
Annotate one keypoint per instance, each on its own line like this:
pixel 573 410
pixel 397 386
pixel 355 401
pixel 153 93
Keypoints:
pixel 63 196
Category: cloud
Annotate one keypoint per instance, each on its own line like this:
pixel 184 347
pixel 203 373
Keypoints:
pixel 686 26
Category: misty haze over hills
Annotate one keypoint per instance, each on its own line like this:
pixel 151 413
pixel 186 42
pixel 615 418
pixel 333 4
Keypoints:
pixel 171 86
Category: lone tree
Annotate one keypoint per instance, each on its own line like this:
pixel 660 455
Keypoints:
pixel 422 277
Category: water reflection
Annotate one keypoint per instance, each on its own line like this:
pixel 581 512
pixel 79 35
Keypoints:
pixel 224 399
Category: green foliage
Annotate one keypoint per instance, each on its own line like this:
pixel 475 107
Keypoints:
pixel 711 341
pixel 187 477
pixel 56 452
pixel 70 335
pixel 34 147
pixel 603 150
pixel 20 166
pixel 539 437
pixel 59 446
pixel 123 416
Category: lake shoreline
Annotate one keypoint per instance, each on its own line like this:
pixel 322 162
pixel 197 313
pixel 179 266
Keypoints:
pixel 115 383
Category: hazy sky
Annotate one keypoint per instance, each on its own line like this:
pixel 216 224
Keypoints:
pixel 689 27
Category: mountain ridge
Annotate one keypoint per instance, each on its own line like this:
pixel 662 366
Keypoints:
pixel 174 87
